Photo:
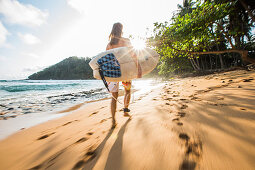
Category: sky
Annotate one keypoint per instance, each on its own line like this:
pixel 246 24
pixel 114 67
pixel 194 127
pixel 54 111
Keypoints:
pixel 35 34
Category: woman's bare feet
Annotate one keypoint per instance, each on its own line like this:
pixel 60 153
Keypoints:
pixel 126 112
pixel 114 124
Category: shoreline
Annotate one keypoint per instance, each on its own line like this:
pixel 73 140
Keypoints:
pixel 13 125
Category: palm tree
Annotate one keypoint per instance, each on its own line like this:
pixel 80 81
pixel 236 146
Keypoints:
pixel 186 7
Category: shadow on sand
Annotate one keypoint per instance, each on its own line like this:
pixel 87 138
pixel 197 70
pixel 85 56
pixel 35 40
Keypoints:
pixel 114 157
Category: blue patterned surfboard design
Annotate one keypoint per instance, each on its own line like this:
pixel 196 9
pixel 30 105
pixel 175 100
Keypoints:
pixel 109 66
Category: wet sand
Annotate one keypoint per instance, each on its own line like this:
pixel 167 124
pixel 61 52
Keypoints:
pixel 203 122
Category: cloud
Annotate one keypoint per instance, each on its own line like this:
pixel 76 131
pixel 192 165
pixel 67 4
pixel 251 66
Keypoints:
pixel 3 58
pixel 3 35
pixel 18 13
pixel 78 5
pixel 33 69
pixel 29 38
pixel 31 55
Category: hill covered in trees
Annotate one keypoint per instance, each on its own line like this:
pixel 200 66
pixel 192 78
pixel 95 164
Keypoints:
pixel 71 68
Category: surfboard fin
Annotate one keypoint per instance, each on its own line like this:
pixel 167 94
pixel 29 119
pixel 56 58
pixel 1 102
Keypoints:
pixel 103 79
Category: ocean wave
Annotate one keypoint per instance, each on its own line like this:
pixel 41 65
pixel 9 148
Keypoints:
pixel 3 80
pixel 20 88
pixel 11 80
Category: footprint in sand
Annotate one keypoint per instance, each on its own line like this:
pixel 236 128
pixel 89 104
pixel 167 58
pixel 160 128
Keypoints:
pixel 91 154
pixel 213 104
pixel 194 148
pixel 181 114
pixel 93 113
pixel 81 140
pixel 247 80
pixel 207 90
pixel 195 98
pixel 188 165
pixel 90 133
pixel 36 167
pixel 179 123
pixel 184 106
pixel 175 119
pixel 192 156
pixel 67 123
pixel 103 120
pixel 169 98
pixel 184 136
pixel 46 136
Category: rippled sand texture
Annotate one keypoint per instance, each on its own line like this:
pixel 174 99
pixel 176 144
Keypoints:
pixel 204 122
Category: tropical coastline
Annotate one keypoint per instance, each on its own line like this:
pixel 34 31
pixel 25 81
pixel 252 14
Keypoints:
pixel 185 98
pixel 189 119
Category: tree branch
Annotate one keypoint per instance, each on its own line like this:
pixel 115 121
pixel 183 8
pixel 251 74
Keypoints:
pixel 247 9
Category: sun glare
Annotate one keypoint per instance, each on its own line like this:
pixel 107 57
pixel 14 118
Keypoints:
pixel 138 43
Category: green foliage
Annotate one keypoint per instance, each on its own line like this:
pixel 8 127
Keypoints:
pixel 69 69
pixel 201 26
pixel 174 65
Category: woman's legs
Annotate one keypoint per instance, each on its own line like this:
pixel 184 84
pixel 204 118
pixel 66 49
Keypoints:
pixel 127 87
pixel 127 98
pixel 113 107
pixel 113 88
pixel 127 101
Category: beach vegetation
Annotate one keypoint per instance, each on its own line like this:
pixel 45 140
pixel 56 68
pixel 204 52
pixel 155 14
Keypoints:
pixel 206 35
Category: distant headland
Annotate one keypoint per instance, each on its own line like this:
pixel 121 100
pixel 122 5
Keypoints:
pixel 72 68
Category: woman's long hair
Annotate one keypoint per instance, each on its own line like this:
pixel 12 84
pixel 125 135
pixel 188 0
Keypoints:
pixel 116 33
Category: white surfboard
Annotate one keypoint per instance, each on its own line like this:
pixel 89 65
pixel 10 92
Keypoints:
pixel 120 64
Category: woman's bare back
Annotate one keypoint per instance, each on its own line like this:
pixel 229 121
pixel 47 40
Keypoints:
pixel 123 42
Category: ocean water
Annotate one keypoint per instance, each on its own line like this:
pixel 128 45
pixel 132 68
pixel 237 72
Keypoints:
pixel 33 96
pixel 18 97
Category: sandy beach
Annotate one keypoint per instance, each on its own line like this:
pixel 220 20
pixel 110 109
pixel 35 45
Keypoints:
pixel 205 122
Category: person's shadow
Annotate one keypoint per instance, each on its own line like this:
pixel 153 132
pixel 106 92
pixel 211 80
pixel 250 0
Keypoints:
pixel 114 158
pixel 114 154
